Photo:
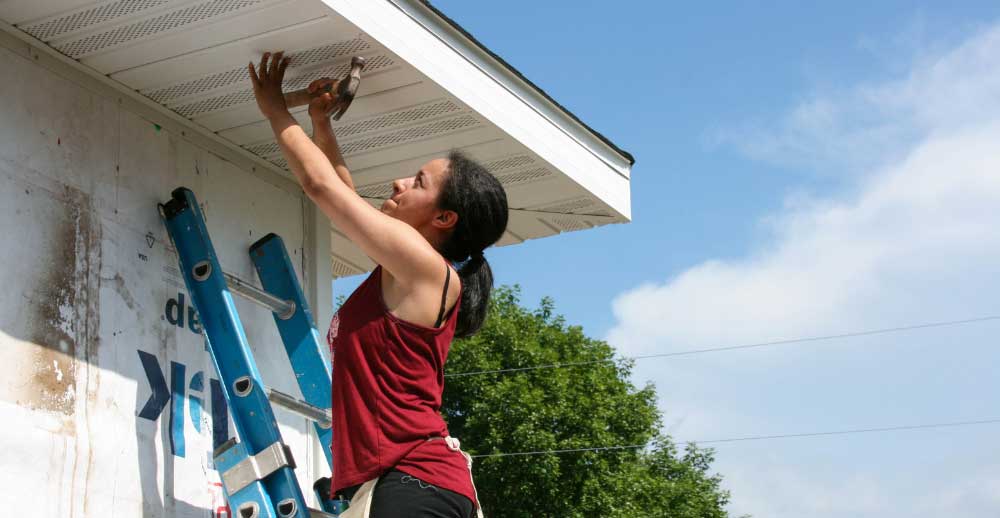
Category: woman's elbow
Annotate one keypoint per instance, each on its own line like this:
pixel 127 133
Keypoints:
pixel 315 187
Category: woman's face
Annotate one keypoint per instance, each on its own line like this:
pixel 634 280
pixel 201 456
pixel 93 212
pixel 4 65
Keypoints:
pixel 414 199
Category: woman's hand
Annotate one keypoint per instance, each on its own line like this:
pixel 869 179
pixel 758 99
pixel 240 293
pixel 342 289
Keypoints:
pixel 321 105
pixel 267 84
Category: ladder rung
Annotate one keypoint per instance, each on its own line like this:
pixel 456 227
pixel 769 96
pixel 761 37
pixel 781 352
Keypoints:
pixel 321 416
pixel 283 308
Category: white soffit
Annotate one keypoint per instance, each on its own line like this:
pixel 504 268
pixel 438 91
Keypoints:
pixel 428 87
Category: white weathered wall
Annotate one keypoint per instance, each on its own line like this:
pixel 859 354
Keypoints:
pixel 90 287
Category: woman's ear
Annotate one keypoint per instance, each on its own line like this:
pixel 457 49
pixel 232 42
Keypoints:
pixel 446 219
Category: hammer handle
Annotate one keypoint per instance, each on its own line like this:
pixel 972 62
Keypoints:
pixel 302 97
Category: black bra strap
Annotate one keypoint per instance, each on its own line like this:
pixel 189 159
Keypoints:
pixel 444 295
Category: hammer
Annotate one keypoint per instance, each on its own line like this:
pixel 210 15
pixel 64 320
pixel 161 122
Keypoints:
pixel 343 91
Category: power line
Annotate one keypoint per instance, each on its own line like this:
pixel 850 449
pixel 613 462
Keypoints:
pixel 736 347
pixel 925 426
pixel 855 431
pixel 572 450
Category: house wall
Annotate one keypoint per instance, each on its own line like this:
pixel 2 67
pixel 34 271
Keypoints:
pixel 95 322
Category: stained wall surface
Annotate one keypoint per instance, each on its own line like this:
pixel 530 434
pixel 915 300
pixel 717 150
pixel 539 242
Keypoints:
pixel 109 402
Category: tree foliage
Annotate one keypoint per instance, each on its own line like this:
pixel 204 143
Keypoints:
pixel 588 405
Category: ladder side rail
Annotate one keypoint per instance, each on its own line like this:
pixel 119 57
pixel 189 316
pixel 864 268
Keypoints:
pixel 298 331
pixel 243 387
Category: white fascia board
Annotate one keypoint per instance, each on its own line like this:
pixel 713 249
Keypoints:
pixel 438 51
pixel 524 91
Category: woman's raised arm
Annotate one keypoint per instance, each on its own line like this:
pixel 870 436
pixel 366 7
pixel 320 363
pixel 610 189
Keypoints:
pixel 323 136
pixel 394 244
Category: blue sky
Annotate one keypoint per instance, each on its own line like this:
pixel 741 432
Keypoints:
pixel 801 170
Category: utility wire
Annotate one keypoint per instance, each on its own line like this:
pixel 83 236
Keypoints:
pixel 754 438
pixel 736 347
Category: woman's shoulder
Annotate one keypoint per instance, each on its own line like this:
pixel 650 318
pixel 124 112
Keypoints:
pixel 426 302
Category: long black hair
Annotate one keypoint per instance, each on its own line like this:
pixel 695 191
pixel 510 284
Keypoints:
pixel 481 204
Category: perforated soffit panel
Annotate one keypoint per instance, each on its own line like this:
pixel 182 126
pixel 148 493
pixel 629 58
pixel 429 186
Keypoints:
pixel 190 57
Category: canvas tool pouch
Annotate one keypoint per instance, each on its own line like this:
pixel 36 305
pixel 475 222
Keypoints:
pixel 361 503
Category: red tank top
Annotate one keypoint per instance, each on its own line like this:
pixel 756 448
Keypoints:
pixel 388 377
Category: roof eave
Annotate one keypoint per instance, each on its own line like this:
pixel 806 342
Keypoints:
pixel 443 54
pixel 463 42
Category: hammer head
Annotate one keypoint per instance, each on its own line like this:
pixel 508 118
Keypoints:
pixel 347 87
pixel 357 63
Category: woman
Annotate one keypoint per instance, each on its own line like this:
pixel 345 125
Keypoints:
pixel 391 449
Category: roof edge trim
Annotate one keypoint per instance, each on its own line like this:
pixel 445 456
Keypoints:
pixel 495 67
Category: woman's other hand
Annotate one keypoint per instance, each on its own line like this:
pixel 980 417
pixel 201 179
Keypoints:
pixel 267 84
pixel 321 105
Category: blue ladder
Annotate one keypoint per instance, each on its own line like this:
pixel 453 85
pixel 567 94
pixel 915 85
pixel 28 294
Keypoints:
pixel 257 473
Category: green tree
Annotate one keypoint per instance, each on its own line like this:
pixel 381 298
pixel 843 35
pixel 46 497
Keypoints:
pixel 582 406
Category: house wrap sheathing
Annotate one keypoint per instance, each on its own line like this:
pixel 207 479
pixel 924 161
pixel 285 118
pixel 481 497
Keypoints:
pixel 109 401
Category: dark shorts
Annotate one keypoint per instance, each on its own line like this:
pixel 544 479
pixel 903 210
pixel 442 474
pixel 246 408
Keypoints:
pixel 398 495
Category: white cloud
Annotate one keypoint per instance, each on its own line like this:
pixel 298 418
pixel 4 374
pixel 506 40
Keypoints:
pixel 979 492
pixel 762 495
pixel 867 125
pixel 971 496
pixel 915 241
pixel 917 228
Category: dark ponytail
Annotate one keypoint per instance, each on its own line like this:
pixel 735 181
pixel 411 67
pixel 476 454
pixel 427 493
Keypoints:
pixel 481 204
